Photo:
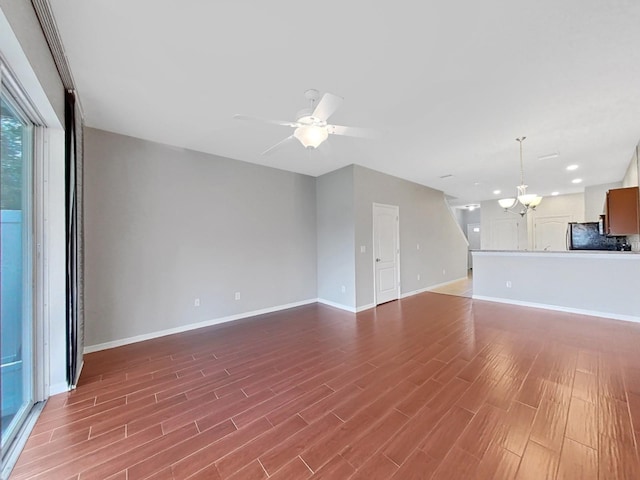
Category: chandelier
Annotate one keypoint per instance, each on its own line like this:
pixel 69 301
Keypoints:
pixel 527 201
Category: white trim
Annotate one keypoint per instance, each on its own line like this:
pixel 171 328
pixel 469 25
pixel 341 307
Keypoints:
pixel 40 182
pixel 580 311
pixel 192 326
pixel 58 388
pixel 366 307
pixel 431 287
pixel 55 261
pixel 455 218
pixel 346 307
pixel 337 305
pixel 22 70
pixel 415 292
pixel 444 284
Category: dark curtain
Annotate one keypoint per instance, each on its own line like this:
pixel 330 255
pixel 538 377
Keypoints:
pixel 74 237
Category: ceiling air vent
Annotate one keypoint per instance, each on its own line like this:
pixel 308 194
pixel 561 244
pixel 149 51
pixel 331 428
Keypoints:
pixel 549 156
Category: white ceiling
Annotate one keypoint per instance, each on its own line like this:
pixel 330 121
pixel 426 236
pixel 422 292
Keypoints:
pixel 447 86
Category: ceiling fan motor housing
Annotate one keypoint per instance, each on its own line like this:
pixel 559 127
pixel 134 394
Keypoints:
pixel 305 117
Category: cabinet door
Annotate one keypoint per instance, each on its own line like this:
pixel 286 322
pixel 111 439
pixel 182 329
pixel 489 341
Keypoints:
pixel 622 211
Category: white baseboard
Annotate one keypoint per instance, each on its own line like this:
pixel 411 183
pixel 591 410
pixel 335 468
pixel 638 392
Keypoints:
pixel 192 326
pixel 431 287
pixel 415 292
pixel 365 307
pixel 346 307
pixel 337 305
pixel 580 311
pixel 58 388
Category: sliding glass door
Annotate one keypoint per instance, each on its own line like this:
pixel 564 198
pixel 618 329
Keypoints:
pixel 16 276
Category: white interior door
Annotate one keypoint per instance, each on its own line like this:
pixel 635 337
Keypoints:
pixel 386 252
pixel 549 233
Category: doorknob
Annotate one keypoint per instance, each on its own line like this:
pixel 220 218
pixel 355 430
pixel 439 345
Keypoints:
pixel 377 259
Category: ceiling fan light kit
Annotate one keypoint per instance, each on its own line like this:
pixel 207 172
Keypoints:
pixel 311 128
pixel 529 201
pixel 311 136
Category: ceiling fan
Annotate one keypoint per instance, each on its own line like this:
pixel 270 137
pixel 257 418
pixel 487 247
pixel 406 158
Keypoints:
pixel 311 127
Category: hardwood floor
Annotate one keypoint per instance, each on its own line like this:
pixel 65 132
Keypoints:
pixel 460 288
pixel 429 387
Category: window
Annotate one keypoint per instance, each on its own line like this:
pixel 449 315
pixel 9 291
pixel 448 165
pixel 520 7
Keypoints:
pixel 16 276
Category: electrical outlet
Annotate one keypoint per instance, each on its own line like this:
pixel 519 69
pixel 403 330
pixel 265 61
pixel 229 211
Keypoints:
pixel 237 295
pixel 344 289
pixel 418 276
pixel 417 246
pixel 508 283
pixel 444 272
pixel 196 302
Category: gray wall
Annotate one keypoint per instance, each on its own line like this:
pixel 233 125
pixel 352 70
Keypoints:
pixel 465 217
pixel 594 197
pixel 632 175
pixel 632 179
pixel 336 237
pixel 491 216
pixel 166 225
pixel 425 219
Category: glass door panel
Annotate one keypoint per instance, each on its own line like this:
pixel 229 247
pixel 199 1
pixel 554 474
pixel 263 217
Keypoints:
pixel 16 271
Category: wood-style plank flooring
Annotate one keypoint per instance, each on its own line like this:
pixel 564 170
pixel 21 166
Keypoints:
pixel 460 288
pixel 429 387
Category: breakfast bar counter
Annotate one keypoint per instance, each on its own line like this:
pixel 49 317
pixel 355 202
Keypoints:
pixel 599 283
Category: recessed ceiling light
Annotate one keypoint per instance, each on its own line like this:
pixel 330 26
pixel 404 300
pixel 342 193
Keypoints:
pixel 497 192
pixel 576 180
pixel 572 167
pixel 476 183
pixel 554 194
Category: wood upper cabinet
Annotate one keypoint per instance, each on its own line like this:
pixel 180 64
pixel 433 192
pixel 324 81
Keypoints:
pixel 622 210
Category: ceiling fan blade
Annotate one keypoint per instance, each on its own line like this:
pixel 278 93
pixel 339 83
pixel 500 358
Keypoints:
pixel 249 118
pixel 325 149
pixel 278 145
pixel 328 104
pixel 350 131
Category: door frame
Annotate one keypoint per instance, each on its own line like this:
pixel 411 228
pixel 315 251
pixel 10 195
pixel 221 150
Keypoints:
pixel 373 248
pixel 36 242
pixel 533 241
pixel 38 245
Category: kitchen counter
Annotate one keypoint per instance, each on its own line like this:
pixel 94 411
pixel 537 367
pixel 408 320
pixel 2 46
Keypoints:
pixel 599 283
pixel 554 252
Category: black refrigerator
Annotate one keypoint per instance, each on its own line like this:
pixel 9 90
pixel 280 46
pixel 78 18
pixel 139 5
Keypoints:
pixel 588 236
